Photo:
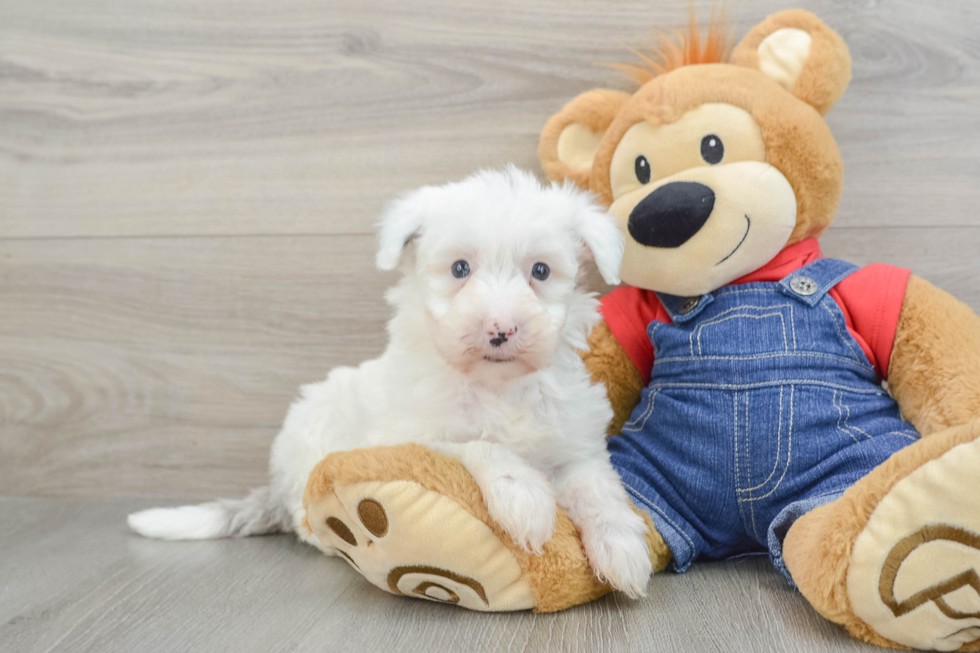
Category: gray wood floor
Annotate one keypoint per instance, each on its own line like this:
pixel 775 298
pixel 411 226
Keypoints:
pixel 187 197
pixel 74 580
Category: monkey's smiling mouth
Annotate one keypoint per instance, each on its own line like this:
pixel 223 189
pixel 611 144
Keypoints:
pixel 490 359
pixel 748 225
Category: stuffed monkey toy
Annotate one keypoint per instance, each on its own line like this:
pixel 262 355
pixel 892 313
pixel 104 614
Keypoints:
pixel 745 371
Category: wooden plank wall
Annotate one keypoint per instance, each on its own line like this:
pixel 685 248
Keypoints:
pixel 188 190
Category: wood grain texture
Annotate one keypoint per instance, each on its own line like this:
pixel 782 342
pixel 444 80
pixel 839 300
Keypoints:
pixel 157 118
pixel 164 366
pixel 75 580
pixel 187 194
pixel 135 365
pixel 187 191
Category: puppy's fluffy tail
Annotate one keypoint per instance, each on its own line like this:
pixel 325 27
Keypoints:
pixel 256 514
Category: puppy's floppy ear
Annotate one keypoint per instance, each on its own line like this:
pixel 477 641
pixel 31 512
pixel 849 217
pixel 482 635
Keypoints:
pixel 599 232
pixel 799 52
pixel 401 221
pixel 571 137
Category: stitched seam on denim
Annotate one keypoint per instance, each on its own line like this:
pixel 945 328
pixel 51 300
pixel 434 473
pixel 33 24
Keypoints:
pixel 651 334
pixel 779 444
pixel 725 312
pixel 904 435
pixel 632 426
pixel 847 420
pixel 851 269
pixel 656 325
pixel 792 324
pixel 724 317
pixel 738 480
pixel 770 287
pixel 849 428
pixel 748 455
pixel 843 340
pixel 840 334
pixel 741 386
pixel 782 321
pixel 660 511
pixel 744 306
pixel 825 287
pixel 789 449
pixel 811 300
pixel 840 416
pixel 807 354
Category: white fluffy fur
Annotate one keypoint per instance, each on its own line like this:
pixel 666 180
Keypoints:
pixel 522 415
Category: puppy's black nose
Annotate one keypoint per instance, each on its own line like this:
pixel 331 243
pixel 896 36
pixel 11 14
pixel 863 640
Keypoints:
pixel 672 214
pixel 500 339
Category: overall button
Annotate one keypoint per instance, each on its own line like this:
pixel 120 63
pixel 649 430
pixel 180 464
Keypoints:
pixel 689 305
pixel 803 286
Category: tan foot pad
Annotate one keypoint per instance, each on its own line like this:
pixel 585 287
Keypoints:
pixel 414 542
pixel 913 575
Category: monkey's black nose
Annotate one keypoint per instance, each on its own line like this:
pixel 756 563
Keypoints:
pixel 672 214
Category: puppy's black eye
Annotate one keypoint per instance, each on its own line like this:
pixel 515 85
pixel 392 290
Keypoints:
pixel 461 269
pixel 712 149
pixel 642 168
pixel 540 271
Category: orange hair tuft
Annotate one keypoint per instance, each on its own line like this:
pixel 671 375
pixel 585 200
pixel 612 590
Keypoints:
pixel 682 49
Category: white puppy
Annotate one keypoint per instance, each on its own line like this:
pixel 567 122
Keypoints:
pixel 481 365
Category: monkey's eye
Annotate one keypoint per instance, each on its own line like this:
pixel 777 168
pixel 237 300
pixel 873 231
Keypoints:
pixel 642 168
pixel 712 149
pixel 461 269
pixel 540 271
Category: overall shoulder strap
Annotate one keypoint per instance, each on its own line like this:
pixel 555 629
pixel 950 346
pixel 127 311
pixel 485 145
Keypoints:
pixel 684 309
pixel 810 283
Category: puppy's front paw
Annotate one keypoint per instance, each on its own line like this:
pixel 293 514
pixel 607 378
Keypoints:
pixel 524 506
pixel 619 554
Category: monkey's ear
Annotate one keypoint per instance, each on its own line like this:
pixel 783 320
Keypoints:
pixel 799 52
pixel 571 137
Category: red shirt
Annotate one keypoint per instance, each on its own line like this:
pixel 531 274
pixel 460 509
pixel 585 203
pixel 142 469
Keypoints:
pixel 871 300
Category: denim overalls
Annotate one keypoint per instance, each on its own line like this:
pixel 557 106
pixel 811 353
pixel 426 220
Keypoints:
pixel 761 407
